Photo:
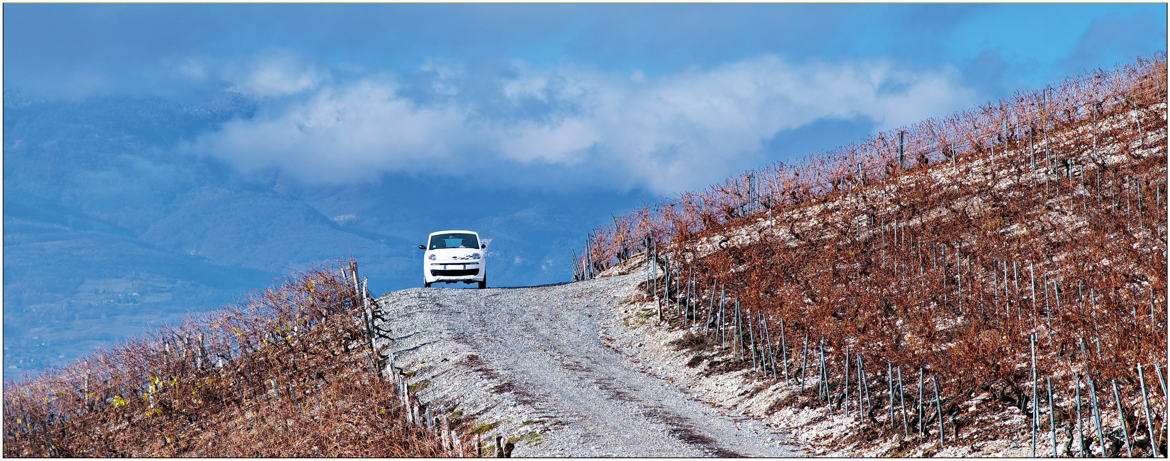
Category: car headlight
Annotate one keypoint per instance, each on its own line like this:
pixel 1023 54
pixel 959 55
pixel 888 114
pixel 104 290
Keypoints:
pixel 432 257
pixel 475 256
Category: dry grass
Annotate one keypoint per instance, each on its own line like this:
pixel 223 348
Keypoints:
pixel 907 263
pixel 287 373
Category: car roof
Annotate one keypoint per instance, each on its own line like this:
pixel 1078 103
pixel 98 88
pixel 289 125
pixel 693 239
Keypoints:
pixel 453 231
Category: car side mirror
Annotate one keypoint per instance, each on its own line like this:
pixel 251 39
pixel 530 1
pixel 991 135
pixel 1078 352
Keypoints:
pixel 422 247
pixel 482 246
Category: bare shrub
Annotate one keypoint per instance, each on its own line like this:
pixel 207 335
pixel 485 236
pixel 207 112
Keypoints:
pixel 285 373
pixel 925 257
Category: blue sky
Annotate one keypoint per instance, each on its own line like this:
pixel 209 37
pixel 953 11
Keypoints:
pixel 162 159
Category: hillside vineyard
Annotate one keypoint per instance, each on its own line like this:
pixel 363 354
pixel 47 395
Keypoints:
pixel 290 371
pixel 1012 256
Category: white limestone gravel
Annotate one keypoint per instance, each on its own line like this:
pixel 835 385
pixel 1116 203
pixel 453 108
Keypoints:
pixel 542 364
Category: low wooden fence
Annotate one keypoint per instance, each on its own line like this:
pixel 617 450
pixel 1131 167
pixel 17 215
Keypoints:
pixel 433 417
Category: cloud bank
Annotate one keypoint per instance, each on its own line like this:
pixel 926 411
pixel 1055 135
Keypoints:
pixel 661 133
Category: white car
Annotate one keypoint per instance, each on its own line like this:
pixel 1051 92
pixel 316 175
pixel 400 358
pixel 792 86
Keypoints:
pixel 454 256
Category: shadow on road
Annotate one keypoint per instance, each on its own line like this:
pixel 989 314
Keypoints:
pixel 534 286
pixel 456 286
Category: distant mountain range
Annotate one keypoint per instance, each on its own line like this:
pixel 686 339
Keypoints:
pixel 110 230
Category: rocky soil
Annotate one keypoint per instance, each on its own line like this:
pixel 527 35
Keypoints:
pixel 556 370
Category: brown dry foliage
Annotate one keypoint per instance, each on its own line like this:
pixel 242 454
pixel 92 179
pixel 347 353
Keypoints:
pixel 907 263
pixel 288 373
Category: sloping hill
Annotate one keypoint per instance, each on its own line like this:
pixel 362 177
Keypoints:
pixel 949 250
pixel 288 373
pixel 293 372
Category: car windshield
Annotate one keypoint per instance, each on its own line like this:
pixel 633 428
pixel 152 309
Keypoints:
pixel 454 240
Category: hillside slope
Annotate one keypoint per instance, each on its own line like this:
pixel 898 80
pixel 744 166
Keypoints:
pixel 288 373
pixel 944 254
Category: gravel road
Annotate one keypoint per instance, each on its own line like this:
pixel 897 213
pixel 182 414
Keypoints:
pixel 540 363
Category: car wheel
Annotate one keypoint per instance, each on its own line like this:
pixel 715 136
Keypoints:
pixel 426 284
pixel 483 283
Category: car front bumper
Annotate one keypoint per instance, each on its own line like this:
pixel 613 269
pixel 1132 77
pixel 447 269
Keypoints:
pixel 454 272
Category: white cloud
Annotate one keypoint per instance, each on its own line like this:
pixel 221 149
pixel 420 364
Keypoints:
pixel 666 134
pixel 341 135
pixel 549 264
pixel 563 143
pixel 193 69
pixel 275 73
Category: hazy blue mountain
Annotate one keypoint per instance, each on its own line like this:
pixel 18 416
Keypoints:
pixel 110 229
pixel 71 285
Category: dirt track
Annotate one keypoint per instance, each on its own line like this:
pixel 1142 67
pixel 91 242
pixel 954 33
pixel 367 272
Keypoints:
pixel 541 363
